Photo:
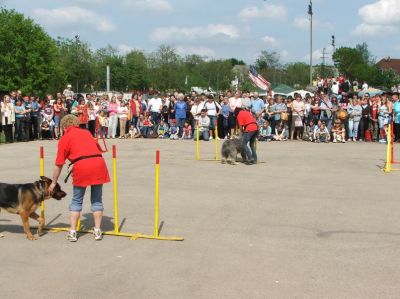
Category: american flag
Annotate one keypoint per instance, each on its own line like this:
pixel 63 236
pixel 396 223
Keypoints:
pixel 257 79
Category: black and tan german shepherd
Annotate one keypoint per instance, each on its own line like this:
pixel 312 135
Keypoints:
pixel 24 199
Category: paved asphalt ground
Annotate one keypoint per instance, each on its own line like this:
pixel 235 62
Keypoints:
pixel 314 221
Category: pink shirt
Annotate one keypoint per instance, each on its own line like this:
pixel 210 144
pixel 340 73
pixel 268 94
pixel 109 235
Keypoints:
pixel 234 103
pixel 112 108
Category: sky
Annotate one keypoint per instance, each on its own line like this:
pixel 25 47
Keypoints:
pixel 222 28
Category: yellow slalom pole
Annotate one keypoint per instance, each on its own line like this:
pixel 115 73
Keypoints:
pixel 197 143
pixel 157 195
pixel 216 141
pixel 115 186
pixel 42 174
pixel 388 166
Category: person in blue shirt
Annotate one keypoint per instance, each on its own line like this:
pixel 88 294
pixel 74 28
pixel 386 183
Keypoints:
pixel 180 112
pixel 257 106
pixel 279 107
pixel 396 115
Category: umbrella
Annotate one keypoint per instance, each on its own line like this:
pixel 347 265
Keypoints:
pixel 372 92
pixel 302 92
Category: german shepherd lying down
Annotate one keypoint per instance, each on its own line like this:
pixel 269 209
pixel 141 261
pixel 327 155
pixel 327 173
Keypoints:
pixel 24 199
pixel 230 149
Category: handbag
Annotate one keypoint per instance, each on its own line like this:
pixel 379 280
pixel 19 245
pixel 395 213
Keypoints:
pixel 298 122
pixel 284 116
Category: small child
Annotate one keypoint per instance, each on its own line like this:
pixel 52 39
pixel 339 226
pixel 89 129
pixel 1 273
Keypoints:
pixel 187 131
pixel 309 132
pixel 162 130
pixel 45 129
pixel 173 130
pixel 281 132
pixel 103 123
pixel 322 134
pixel 338 132
pixel 147 127
pixel 265 133
pixel 133 132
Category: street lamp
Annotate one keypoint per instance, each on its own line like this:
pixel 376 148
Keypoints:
pixel 310 12
pixel 77 43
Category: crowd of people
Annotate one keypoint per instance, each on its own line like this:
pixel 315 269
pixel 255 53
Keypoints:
pixel 329 115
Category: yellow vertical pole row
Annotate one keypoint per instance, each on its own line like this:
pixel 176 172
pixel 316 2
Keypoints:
pixel 157 195
pixel 197 143
pixel 115 186
pixel 388 166
pixel 41 174
pixel 216 141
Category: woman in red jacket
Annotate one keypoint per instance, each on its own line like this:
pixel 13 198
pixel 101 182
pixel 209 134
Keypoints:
pixel 89 169
pixel 248 125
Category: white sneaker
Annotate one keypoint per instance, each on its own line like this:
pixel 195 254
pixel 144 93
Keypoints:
pixel 72 236
pixel 218 138
pixel 211 138
pixel 98 234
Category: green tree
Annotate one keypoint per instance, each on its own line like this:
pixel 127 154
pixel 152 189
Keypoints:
pixel 297 73
pixel 27 55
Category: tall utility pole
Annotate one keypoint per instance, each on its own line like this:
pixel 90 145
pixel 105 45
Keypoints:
pixel 77 47
pixel 310 12
pixel 324 57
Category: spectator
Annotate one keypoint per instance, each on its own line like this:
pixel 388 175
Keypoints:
pixel 162 129
pixel 213 109
pixel 203 125
pixel 45 131
pixel 298 108
pixel 7 118
pixel 234 102
pixel 135 109
pixel 103 124
pixel 47 115
pixel 154 107
pixel 112 109
pixel 58 109
pixel 354 110
pixel 174 130
pixel 35 118
pixel 322 133
pixel 180 108
pixel 83 113
pixel 396 116
pixel 123 118
pixel 224 114
pixel 338 132
pixel 383 119
pixel 187 131
pixel 20 113
pixel 265 133
pixel 148 125
pixel 281 133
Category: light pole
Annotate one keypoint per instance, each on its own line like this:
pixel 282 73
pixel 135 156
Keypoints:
pixel 77 43
pixel 310 12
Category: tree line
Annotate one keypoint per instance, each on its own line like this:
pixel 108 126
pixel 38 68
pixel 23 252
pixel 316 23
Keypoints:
pixel 32 61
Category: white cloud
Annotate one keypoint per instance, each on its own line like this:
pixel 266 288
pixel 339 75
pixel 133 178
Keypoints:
pixel 72 17
pixel 202 51
pixel 316 55
pixel 270 41
pixel 304 23
pixel 149 5
pixel 268 11
pixel 189 34
pixel 379 18
pixel 382 12
pixel 124 48
pixel 284 54
pixel 91 2
pixel 373 30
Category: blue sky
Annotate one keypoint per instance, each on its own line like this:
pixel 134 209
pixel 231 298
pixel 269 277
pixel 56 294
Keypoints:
pixel 222 28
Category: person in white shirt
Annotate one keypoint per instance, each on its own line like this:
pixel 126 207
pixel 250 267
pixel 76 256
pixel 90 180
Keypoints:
pixel 234 102
pixel 213 108
pixel 123 118
pixel 154 107
pixel 365 86
pixel 203 124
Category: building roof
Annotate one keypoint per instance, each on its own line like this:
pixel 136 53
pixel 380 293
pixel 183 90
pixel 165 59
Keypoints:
pixel 390 63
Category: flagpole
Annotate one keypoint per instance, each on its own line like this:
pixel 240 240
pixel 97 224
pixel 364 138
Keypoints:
pixel 310 12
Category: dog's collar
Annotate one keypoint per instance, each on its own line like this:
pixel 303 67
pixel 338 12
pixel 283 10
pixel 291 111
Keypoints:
pixel 41 190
